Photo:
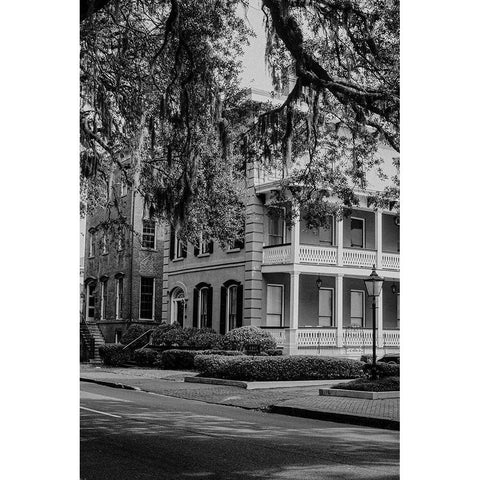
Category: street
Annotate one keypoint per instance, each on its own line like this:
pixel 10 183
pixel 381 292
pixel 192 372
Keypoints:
pixel 128 434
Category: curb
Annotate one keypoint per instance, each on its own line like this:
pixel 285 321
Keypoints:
pixel 375 422
pixel 337 392
pixel 110 384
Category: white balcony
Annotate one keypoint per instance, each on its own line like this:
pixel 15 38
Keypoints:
pixel 318 255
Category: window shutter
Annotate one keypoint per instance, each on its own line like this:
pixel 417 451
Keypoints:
pixel 239 306
pixel 196 250
pixel 195 307
pixel 184 250
pixel 172 243
pixel 223 309
pixel 210 246
pixel 209 307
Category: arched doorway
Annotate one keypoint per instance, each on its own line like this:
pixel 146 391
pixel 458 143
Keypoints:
pixel 178 306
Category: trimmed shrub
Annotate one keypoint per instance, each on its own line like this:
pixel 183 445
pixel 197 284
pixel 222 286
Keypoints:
pixel 277 368
pixel 194 338
pixel 133 332
pixel 386 384
pixel 204 338
pixel 113 354
pixel 239 338
pixel 146 357
pixel 383 369
pixel 165 334
pixel 273 352
pixel 184 359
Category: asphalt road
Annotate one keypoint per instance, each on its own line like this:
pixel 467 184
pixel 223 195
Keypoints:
pixel 135 435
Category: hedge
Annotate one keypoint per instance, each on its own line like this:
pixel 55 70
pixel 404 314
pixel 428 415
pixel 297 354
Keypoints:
pixel 147 357
pixel 386 384
pixel 113 354
pixel 277 368
pixel 383 369
pixel 194 338
pixel 240 338
pixel 133 332
pixel 184 359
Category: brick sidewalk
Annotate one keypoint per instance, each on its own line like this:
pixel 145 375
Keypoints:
pixel 301 401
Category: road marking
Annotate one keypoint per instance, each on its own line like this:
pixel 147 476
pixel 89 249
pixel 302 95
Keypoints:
pixel 103 413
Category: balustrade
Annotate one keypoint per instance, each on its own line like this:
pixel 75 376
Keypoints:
pixel 277 254
pixel 391 338
pixel 317 254
pixel 391 261
pixel 278 334
pixel 357 337
pixel 313 338
pixel 359 258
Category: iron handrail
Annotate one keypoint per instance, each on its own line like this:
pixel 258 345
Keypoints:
pixel 140 336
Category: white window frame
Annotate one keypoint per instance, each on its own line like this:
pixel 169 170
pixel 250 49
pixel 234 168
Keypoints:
pixel 284 228
pixel 200 307
pixel 282 319
pixel 178 245
pixel 103 299
pixel 227 326
pixel 363 232
pixel 364 320
pixel 149 234
pixel 175 300
pixel 90 295
pixel 332 321
pixel 153 301
pixel 119 298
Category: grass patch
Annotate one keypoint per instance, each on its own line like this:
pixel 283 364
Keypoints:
pixel 387 384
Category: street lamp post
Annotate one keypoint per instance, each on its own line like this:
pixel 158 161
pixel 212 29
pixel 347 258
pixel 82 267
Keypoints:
pixel 374 284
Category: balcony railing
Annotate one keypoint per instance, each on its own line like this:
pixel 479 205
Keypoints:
pixel 312 338
pixel 318 255
pixel 391 338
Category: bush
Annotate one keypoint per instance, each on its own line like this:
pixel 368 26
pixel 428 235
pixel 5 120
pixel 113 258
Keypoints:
pixel 133 332
pixel 194 338
pixel 162 336
pixel 239 338
pixel 204 338
pixel 383 369
pixel 113 354
pixel 386 384
pixel 184 359
pixel 265 368
pixel 146 357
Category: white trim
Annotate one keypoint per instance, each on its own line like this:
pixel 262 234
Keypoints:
pixel 102 300
pixel 154 234
pixel 332 320
pixel 118 304
pixel 364 239
pixel 173 304
pixel 282 319
pixel 364 316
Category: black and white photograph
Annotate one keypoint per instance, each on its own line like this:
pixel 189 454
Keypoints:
pixel 220 242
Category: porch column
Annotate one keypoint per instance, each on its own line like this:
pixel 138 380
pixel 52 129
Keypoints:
pixel 339 308
pixel 378 237
pixel 295 233
pixel 291 347
pixel 339 235
pixel 380 320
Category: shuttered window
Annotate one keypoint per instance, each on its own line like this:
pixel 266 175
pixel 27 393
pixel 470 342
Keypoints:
pixel 325 233
pixel 276 229
pixel 232 306
pixel 357 232
pixel 203 307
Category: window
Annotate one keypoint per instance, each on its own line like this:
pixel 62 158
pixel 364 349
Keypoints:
pixel 119 299
pixel 147 289
pixel 123 187
pixel 232 306
pixel 203 307
pixel 325 233
pixel 276 229
pixel 148 234
pixel 118 336
pixel 121 240
pixel 178 306
pixel 236 245
pixel 91 301
pixel 274 306
pixel 104 244
pixel 325 307
pixel 91 244
pixel 357 228
pixel 103 300
pixel 357 308
pixel 204 246
pixel 180 250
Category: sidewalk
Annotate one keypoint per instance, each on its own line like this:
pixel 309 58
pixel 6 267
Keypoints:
pixel 297 401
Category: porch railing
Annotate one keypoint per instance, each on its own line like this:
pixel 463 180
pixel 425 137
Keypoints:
pixel 353 337
pixel 391 338
pixel 359 258
pixel 317 254
pixel 278 334
pixel 277 254
pixel 313 338
pixel 391 261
